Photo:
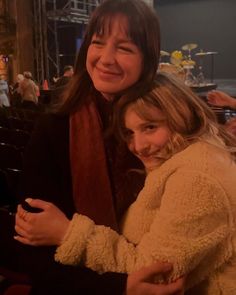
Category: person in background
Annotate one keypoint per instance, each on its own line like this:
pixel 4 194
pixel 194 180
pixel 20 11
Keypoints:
pixel 185 213
pixel 15 91
pixel 74 161
pixel 222 99
pixel 68 72
pixel 230 126
pixel 61 84
pixel 28 91
pixel 4 90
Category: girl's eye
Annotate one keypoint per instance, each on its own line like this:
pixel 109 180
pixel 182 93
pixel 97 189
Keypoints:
pixel 150 127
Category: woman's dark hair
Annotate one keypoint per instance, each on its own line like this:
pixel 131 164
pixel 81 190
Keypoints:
pixel 143 29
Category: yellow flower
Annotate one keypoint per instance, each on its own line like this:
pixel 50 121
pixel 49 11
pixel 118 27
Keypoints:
pixel 188 62
pixel 177 54
pixel 176 57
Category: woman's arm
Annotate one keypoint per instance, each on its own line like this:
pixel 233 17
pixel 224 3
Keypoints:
pixel 142 282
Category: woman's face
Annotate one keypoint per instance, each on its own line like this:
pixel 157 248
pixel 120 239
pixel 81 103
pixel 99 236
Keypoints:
pixel 146 138
pixel 114 62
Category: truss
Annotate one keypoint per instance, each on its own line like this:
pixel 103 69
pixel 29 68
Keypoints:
pixel 48 14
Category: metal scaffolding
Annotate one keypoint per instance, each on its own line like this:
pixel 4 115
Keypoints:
pixel 48 15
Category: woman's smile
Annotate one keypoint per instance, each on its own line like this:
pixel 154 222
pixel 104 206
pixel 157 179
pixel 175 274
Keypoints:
pixel 107 74
pixel 114 62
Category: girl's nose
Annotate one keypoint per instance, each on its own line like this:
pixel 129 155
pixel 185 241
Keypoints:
pixel 141 145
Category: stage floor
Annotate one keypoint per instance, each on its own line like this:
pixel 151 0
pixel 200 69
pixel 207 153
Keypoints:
pixel 226 85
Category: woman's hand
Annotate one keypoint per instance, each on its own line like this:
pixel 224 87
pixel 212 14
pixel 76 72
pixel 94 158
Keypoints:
pixel 38 229
pixel 142 282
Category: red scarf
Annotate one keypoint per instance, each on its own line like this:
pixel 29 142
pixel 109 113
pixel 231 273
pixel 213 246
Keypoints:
pixel 90 179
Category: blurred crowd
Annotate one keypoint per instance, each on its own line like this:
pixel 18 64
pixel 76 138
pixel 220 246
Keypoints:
pixel 25 92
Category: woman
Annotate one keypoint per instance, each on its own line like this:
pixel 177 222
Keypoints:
pixel 68 161
pixel 185 214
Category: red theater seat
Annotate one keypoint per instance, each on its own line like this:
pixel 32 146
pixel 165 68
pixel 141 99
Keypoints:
pixel 18 290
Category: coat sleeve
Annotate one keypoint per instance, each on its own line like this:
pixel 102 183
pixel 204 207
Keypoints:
pixel 191 229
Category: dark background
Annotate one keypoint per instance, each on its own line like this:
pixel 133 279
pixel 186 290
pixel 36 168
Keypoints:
pixel 209 23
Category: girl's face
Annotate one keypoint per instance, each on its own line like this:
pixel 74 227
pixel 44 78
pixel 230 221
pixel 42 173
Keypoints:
pixel 114 62
pixel 145 138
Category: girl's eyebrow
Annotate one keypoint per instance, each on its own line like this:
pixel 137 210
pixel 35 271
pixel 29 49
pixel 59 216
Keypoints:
pixel 153 121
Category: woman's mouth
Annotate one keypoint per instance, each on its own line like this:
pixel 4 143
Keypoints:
pixel 106 74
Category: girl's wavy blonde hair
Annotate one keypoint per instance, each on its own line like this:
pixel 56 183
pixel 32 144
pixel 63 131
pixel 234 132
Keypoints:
pixel 187 116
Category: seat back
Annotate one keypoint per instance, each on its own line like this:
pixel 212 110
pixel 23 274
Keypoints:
pixel 10 157
pixel 5 134
pixel 5 195
pixel 19 138
pixel 18 290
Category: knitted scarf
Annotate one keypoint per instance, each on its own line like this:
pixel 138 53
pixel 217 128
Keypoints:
pixel 90 179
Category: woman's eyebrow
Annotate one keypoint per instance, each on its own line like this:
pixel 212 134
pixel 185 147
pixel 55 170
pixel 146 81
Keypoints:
pixel 123 40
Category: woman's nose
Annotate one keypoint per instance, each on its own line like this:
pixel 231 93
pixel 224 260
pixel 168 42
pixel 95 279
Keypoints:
pixel 107 55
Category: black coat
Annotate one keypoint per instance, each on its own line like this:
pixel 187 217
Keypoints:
pixel 47 176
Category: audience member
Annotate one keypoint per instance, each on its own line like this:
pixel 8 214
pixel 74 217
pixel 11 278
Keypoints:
pixel 61 84
pixel 183 215
pixel 68 72
pixel 4 90
pixel 230 125
pixel 15 91
pixel 29 92
pixel 71 162
pixel 221 99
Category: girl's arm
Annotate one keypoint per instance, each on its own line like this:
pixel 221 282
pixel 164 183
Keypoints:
pixel 192 230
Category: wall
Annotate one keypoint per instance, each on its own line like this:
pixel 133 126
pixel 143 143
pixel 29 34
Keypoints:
pixel 149 2
pixel 24 32
pixel 209 23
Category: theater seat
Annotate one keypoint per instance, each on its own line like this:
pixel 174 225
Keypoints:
pixel 18 290
pixel 16 283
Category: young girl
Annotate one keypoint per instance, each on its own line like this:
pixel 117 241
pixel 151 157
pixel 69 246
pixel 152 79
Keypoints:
pixel 185 214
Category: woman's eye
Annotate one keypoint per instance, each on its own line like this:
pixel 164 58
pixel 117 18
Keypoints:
pixel 96 42
pixel 125 49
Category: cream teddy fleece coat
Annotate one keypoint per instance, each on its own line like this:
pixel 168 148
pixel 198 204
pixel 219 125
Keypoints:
pixel 185 214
